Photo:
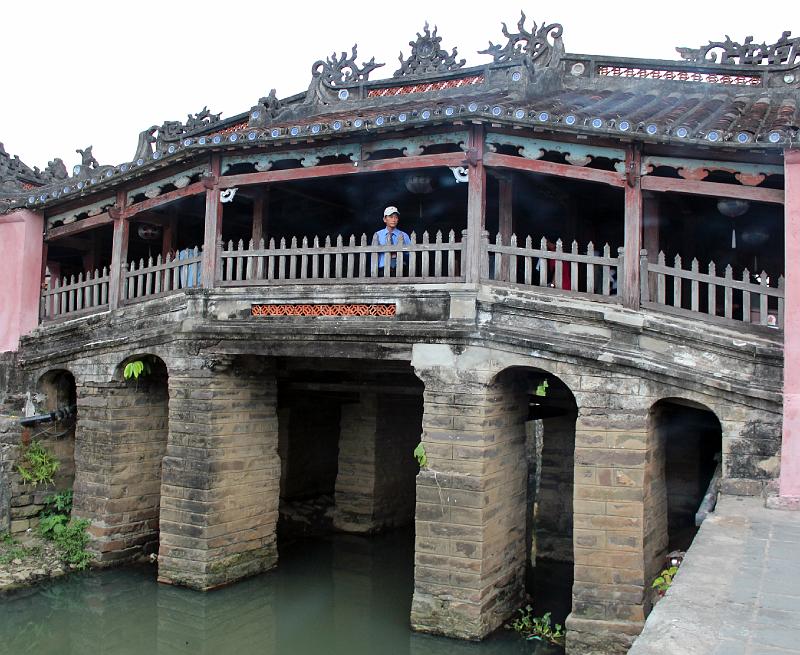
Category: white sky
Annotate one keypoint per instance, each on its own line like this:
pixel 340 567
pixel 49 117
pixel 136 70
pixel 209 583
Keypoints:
pixel 98 72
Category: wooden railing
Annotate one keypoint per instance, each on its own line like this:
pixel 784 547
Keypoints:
pixel 593 273
pixel 327 262
pixel 74 296
pixel 721 298
pixel 727 298
pixel 159 277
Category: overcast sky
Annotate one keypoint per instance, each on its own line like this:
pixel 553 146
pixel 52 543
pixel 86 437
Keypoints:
pixel 98 72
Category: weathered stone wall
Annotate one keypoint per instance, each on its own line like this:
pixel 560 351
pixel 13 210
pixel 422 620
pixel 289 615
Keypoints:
pixel 120 442
pixel 221 474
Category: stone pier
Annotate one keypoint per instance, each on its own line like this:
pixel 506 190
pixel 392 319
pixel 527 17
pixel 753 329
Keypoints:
pixel 221 477
pixel 120 441
pixel 374 482
pixel 616 546
pixel 470 524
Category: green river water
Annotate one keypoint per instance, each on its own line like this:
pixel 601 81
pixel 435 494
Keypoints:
pixel 341 595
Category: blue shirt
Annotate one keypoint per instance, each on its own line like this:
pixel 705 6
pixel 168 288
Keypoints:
pixel 383 239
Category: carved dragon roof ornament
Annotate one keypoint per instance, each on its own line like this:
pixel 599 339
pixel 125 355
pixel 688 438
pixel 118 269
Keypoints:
pixel 529 47
pixel 328 77
pixel 428 57
pixel 784 51
pixel 343 70
pixel 267 109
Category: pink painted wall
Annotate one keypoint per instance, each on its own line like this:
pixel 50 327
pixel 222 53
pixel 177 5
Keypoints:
pixel 790 448
pixel 20 275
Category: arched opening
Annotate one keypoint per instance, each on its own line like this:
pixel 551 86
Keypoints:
pixel 57 433
pixel 688 440
pixel 140 425
pixel 550 456
pixel 347 432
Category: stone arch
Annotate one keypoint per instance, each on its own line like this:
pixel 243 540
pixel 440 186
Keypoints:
pixel 686 443
pixel 58 392
pixel 552 412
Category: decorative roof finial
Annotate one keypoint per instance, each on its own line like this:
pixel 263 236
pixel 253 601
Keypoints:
pixel 427 56
pixel 529 47
pixel 784 51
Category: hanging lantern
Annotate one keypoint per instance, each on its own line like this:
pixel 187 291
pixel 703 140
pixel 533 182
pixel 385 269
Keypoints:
pixel 148 231
pixel 732 207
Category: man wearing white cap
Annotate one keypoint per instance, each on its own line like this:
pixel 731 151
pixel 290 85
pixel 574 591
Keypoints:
pixel 390 235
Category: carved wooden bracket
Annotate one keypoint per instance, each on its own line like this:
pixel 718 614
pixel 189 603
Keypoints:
pixel 115 212
pixel 471 157
pixel 209 181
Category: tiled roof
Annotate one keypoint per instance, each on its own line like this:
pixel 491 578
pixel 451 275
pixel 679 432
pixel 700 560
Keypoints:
pixel 729 104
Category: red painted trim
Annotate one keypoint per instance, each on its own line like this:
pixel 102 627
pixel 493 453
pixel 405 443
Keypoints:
pixel 332 170
pixel 611 178
pixel 716 189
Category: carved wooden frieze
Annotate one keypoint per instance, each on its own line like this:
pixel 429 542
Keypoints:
pixel 67 217
pixel 416 145
pixel 179 180
pixel 698 170
pixel 306 157
pixel 575 154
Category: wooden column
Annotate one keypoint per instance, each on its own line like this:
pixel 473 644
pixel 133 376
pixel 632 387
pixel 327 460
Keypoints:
pixel 169 232
pixel 790 444
pixel 119 251
pixel 633 227
pixel 213 225
pixel 506 219
pixel 476 204
pixel 260 214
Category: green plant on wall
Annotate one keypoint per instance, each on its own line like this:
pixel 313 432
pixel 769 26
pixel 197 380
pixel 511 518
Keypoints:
pixel 664 580
pixel 36 464
pixel 136 368
pixel 537 627
pixel 420 456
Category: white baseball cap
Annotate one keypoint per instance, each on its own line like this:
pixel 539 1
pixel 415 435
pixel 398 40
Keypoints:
pixel 390 210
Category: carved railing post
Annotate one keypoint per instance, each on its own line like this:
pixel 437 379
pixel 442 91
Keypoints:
pixel 645 277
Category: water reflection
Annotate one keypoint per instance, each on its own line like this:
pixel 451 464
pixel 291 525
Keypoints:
pixel 346 595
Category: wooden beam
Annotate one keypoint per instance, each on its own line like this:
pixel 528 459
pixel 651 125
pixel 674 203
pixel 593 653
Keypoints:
pixel 476 204
pixel 633 228
pixel 716 189
pixel 333 170
pixel 195 189
pixel 78 226
pixel 612 178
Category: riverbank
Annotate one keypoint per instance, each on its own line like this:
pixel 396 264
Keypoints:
pixel 28 560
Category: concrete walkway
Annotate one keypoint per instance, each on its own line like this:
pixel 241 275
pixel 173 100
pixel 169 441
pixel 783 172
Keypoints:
pixel 738 590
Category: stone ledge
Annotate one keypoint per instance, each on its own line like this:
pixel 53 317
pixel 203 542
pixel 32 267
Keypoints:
pixel 788 503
